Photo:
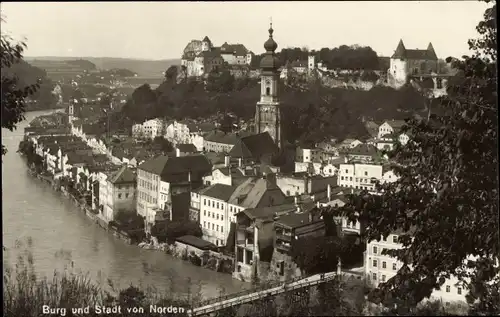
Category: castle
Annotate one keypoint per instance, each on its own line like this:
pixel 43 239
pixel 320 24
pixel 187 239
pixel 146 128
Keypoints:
pixel 406 63
pixel 201 57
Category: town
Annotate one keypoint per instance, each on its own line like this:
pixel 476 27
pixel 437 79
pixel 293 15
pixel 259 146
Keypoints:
pixel 220 195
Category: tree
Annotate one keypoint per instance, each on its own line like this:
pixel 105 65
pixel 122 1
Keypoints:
pixel 164 144
pixel 13 97
pixel 171 73
pixel 170 230
pixel 316 255
pixel 446 198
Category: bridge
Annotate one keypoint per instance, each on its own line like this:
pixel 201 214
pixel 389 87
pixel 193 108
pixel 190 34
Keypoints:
pixel 237 299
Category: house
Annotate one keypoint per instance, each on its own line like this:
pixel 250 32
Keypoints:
pixel 362 152
pixel 257 148
pixel 288 229
pixel 306 155
pixel 220 142
pixel 254 240
pixel 177 132
pixel 220 203
pixel 390 127
pixel 120 192
pixel 388 175
pixel 380 268
pixel 214 212
pixel 348 144
pixel 301 183
pixel 227 174
pixel 162 176
pixel 359 175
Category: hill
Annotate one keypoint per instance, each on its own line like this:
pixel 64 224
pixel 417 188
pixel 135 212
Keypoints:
pixel 143 68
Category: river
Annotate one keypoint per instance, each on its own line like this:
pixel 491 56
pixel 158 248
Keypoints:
pixel 62 234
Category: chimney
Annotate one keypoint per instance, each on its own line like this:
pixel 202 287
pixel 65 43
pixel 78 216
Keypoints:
pixel 310 216
pixel 298 209
pixel 227 161
pixel 240 162
pixel 177 152
pixel 318 204
pixel 329 192
pixel 296 200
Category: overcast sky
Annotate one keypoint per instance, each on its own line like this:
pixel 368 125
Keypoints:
pixel 160 30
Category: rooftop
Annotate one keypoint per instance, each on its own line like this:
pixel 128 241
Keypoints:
pixel 219 191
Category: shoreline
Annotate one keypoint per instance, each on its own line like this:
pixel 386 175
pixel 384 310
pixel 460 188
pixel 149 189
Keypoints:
pixel 211 261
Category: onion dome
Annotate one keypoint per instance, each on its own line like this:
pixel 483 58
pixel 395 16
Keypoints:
pixel 270 61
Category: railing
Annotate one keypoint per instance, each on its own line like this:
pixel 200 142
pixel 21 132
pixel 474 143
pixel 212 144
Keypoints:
pixel 257 291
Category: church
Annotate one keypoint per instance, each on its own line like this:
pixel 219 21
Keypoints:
pixel 267 146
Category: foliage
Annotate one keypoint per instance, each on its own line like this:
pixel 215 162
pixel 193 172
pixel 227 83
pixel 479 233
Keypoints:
pixel 83 63
pixel 164 144
pixel 13 94
pixel 315 255
pixel 446 199
pixel 171 73
pixel 168 231
pixel 342 57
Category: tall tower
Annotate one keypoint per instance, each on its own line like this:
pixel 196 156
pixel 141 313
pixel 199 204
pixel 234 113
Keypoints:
pixel 268 112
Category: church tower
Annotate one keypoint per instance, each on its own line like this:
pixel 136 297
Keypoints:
pixel 268 112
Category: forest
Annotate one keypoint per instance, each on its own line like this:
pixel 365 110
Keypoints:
pixel 309 115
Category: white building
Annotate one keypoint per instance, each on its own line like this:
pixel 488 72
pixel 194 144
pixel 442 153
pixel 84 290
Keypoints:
pixel 359 176
pixel 380 268
pixel 390 127
pixel 214 218
pixel 307 155
pixel 153 128
pixel 119 194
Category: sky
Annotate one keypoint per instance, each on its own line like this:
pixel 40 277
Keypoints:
pixel 161 30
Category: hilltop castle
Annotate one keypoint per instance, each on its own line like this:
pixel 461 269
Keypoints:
pixel 201 57
pixel 411 62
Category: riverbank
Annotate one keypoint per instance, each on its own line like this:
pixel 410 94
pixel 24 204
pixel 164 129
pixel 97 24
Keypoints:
pixel 214 261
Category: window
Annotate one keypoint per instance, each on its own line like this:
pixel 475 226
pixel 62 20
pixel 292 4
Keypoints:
pixel 217 216
pixel 375 250
pixel 374 276
pixel 268 91
pixel 447 288
pixel 394 267
pixel 213 215
pixel 209 213
pixel 341 177
pixel 384 265
pixel 204 212
pixel 383 278
pixel 346 171
pixel 217 228
pixel 395 239
pixel 204 202
pixel 375 263
pixel 221 217
pixel 126 195
pixel 213 227
pixel 204 224
pixel 350 178
pixel 222 229
pixel 459 291
pixel 119 195
pixel 217 205
pixel 213 204
pixel 366 173
pixel 384 238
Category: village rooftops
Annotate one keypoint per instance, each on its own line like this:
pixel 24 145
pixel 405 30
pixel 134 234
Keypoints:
pixel 176 169
pixel 257 192
pixel 268 213
pixel 219 191
pixel 254 146
pixel 124 175
pixel 186 148
pixel 234 49
pixel 297 220
pixel 363 149
pixel 221 137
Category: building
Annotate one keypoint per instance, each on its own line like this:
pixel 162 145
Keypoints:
pixel 201 57
pixel 120 193
pixel 410 62
pixel 288 229
pixel 268 113
pixel 362 152
pixel 220 203
pixel 380 268
pixel 220 142
pixel 390 127
pixel 359 175
pixel 162 176
pixel 255 149
pixel 301 183
pixel 214 212
pixel 185 149
pixel 348 144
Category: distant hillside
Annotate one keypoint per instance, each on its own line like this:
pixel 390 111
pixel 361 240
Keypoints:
pixel 143 68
